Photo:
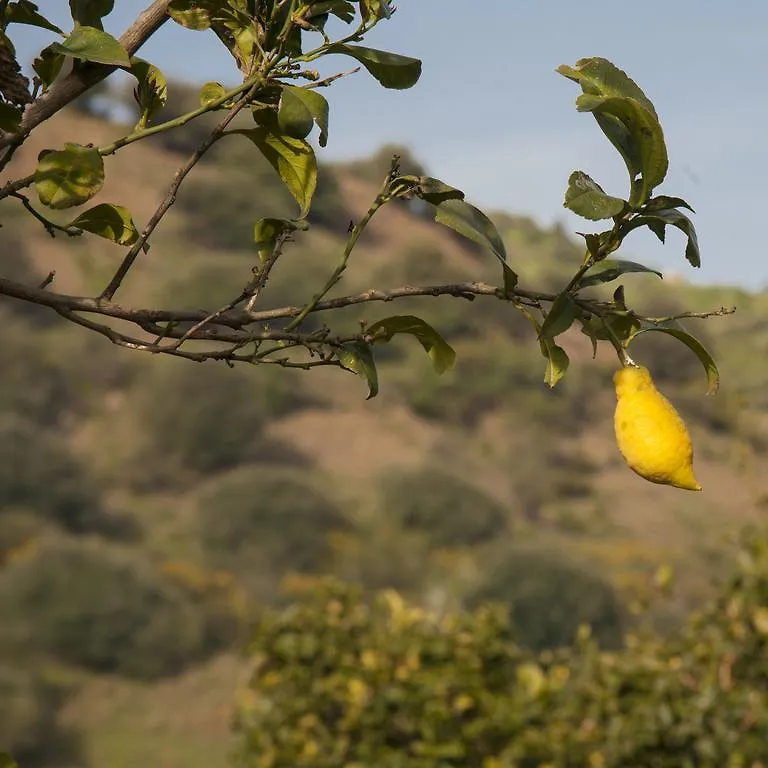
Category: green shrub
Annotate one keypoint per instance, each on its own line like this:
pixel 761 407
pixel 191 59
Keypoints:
pixel 448 510
pixel 100 610
pixel 39 473
pixel 29 719
pixel 340 682
pixel 207 417
pixel 260 516
pixel 549 597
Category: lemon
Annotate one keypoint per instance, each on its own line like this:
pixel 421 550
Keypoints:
pixel 651 436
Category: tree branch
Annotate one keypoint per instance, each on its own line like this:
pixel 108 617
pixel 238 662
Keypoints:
pixel 86 75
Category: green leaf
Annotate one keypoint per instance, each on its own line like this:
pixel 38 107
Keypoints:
pixel 296 104
pixel 560 317
pixel 623 326
pixel 151 93
pixel 293 159
pixel 472 223
pixel 706 359
pixel 6 761
pixel 441 354
pixel 89 13
pixel 340 8
pixel 510 279
pixel 193 14
pixel 211 92
pixel 10 117
pixel 434 191
pixel 600 77
pixel 557 361
pixel 637 135
pixel 609 269
pixel 586 198
pixel 68 177
pixel 588 330
pixel 375 10
pixel 664 201
pixel 48 65
pixel 110 221
pixel 91 44
pixel 26 12
pixel 390 69
pixel 266 232
pixel 357 356
pixel 293 116
pixel 657 222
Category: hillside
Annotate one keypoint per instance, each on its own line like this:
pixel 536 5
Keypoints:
pixel 213 492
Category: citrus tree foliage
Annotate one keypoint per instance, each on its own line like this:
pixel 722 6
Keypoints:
pixel 276 107
pixel 338 681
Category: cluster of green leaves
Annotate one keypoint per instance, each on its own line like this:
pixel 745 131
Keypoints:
pixel 338 681
pixel 628 119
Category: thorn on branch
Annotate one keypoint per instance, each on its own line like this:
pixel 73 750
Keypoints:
pixel 48 280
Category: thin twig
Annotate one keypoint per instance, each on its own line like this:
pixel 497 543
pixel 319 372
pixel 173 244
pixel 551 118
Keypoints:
pixel 50 227
pixel 170 198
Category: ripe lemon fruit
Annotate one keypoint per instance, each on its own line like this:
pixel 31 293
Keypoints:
pixel 651 436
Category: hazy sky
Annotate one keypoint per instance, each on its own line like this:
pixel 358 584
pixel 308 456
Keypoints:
pixel 491 116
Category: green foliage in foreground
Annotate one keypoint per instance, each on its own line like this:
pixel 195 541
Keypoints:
pixel 339 682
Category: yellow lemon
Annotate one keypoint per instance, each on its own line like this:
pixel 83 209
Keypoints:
pixel 651 436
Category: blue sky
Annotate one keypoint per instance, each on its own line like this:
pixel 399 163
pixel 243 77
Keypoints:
pixel 491 116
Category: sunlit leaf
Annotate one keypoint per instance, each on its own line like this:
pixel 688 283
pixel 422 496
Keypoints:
pixel 705 358
pixel 26 12
pixel 373 10
pixel 194 14
pixel 637 135
pixel 151 92
pixel 68 177
pixel 91 44
pixel 441 354
pixel 48 65
pixel 391 69
pixel 557 361
pixel 610 269
pixel 110 221
pixel 601 77
pixel 211 92
pixel 267 231
pixel 293 159
pixel 357 356
pixel 586 198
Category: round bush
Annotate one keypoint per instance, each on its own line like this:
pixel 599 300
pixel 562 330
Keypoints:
pixel 260 515
pixel 208 417
pixel 38 473
pixel 101 611
pixel 550 597
pixel 448 510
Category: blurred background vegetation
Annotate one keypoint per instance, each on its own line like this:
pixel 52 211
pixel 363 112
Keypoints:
pixel 152 510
